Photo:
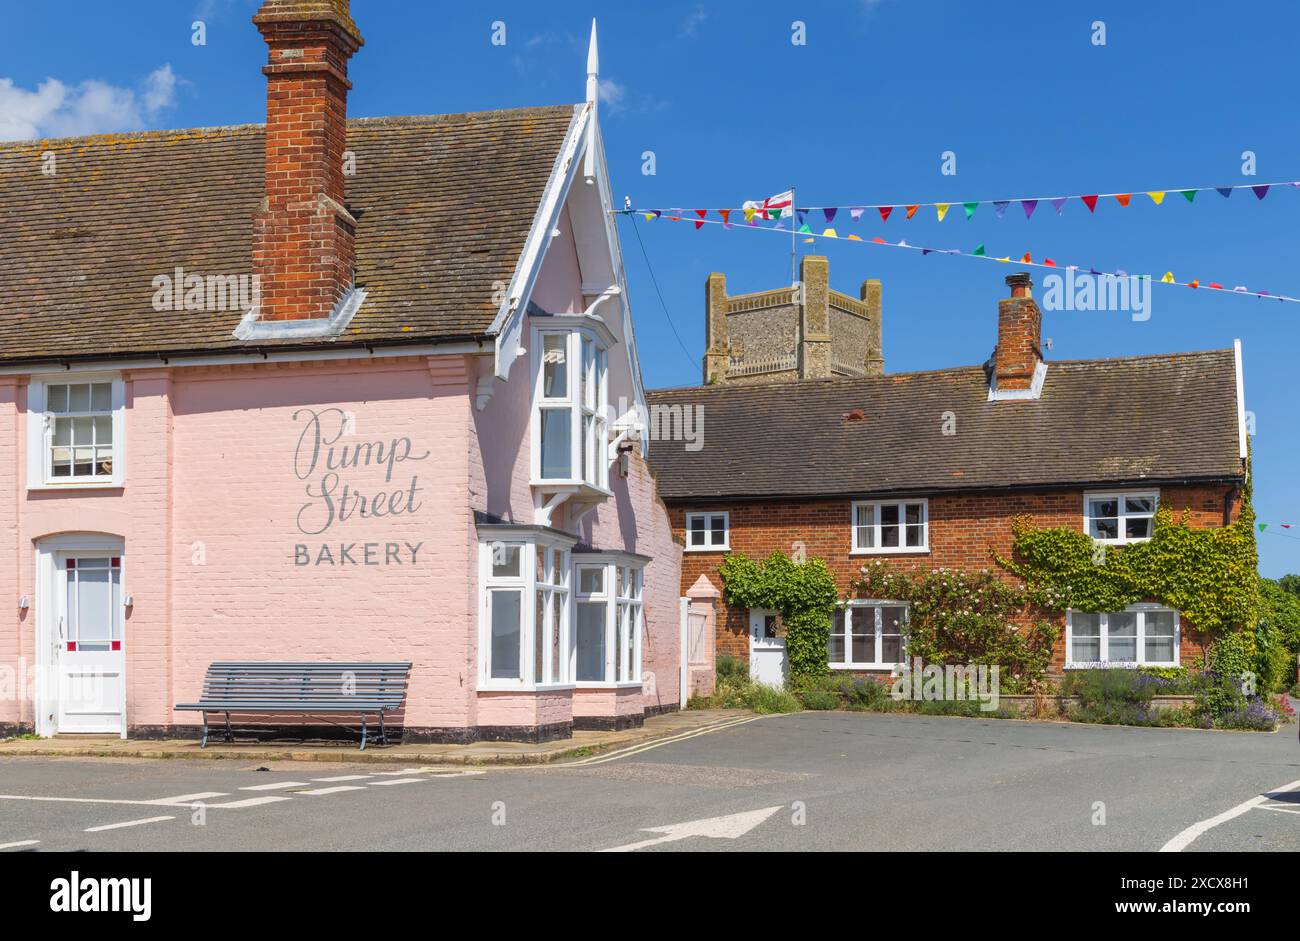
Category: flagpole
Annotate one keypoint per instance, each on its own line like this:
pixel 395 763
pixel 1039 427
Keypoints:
pixel 794 250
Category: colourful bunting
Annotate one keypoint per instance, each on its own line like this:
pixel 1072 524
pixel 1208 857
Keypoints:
pixel 970 208
pixel 879 241
pixel 726 216
pixel 1189 195
pixel 1157 197
pixel 1000 207
pixel 886 210
pixel 804 228
pixel 1224 191
pixel 1168 278
pixel 1193 284
pixel 942 209
pixel 911 210
pixel 1049 262
pixel 1260 191
pixel 1123 198
pixel 1090 202
pixel 979 249
pixel 829 214
pixel 701 213
pixel 1058 203
pixel 749 214
pixel 1029 205
pixel 856 214
pixel 1027 260
pixel 830 234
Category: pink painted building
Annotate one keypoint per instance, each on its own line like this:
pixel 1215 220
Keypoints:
pixel 327 390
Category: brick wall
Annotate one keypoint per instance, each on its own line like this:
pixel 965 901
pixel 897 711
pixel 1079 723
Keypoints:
pixel 966 532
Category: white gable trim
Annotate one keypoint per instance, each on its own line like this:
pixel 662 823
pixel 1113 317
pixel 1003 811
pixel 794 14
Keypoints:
pixel 1241 400
pixel 508 325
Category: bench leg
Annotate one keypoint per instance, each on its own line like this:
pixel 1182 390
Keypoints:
pixel 363 732
pixel 230 737
pixel 383 735
pixel 204 743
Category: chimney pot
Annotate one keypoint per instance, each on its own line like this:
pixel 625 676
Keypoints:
pixel 1021 284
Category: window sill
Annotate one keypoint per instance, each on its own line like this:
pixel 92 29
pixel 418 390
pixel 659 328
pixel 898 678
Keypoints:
pixel 707 548
pixel 1118 665
pixel 627 684
pixel 868 667
pixel 78 485
pixel 1121 542
pixel 499 687
pixel 893 550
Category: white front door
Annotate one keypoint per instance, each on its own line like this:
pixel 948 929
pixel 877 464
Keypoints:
pixel 87 606
pixel 766 649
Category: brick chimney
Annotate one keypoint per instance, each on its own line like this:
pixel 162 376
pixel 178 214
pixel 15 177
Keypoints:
pixel 1020 326
pixel 303 237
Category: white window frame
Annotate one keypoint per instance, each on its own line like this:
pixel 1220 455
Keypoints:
pixel 708 517
pixel 875 607
pixel 1141 610
pixel 877 548
pixel 1119 497
pixel 624 613
pixel 531 547
pixel 588 414
pixel 40 433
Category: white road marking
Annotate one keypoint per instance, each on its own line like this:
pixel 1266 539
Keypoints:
pixel 191 798
pixel 274 786
pixel 403 771
pixel 647 746
pixel 397 781
pixel 730 827
pixel 343 777
pixel 11 846
pixel 1280 810
pixel 251 802
pixel 79 800
pixel 1185 838
pixel 321 791
pixel 128 823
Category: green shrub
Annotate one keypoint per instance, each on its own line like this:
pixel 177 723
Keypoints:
pixel 728 667
pixel 1274 663
pixel 821 700
pixel 1104 687
pixel 769 699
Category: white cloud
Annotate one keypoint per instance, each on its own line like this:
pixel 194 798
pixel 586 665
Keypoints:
pixel 612 94
pixel 693 21
pixel 92 107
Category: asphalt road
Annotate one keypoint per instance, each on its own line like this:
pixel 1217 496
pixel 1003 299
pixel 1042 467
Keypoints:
pixel 812 781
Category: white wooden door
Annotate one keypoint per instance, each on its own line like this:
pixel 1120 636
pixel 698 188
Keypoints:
pixel 89 655
pixel 766 650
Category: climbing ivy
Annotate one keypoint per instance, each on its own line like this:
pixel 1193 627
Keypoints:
pixel 1207 574
pixel 804 593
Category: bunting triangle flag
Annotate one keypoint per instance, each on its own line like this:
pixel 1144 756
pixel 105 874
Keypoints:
pixel 1216 285
pixel 879 241
pixel 749 214
pixel 830 234
pixel 1168 278
pixel 701 213
pixel 802 213
pixel 726 216
pixel 1260 191
pixel 804 228
pixel 1049 262
pixel 657 213
pixel 1027 260
pixel 1007 259
pixel 979 249
pixel 775 213
pixel 1123 198
pixel 1224 191
pixel 854 238
pixel 810 240
pixel 970 208
pixel 1193 284
pixel 1090 202
pixel 649 216
pixel 1262 526
pixel 1000 206
pixel 1059 203
pixel 942 209
pixel 911 210
pixel 855 214
pixel 1029 205
pixel 829 214
pixel 1189 195
pixel 885 211
pixel 1157 197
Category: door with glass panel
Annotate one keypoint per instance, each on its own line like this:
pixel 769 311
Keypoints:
pixel 90 658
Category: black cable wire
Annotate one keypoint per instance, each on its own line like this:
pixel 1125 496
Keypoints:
pixel 662 302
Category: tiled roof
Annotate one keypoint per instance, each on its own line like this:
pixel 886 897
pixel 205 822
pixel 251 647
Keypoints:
pixel 1154 418
pixel 444 203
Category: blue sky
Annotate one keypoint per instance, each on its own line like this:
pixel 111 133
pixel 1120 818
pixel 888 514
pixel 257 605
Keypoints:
pixel 859 114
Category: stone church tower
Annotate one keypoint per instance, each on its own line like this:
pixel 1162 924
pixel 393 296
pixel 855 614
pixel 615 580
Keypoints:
pixel 806 331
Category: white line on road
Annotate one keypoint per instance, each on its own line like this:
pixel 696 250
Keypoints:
pixel 730 827
pixel 1185 838
pixel 1280 810
pixel 128 823
pixel 647 746
pixel 14 846
pixel 191 798
pixel 251 802
pixel 343 777
pixel 321 791
pixel 274 786
pixel 397 781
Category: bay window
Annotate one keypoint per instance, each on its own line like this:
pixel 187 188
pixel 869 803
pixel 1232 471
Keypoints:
pixel 571 404
pixel 867 635
pixel 525 636
pixel 1140 635
pixel 881 526
pixel 610 618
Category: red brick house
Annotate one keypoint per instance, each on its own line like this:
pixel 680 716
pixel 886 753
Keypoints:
pixel 929 469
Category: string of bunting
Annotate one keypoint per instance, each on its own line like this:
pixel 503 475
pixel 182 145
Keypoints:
pixel 700 220
pixel 1028 205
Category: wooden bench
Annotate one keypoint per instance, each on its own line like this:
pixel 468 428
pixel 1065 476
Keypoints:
pixel 302 689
